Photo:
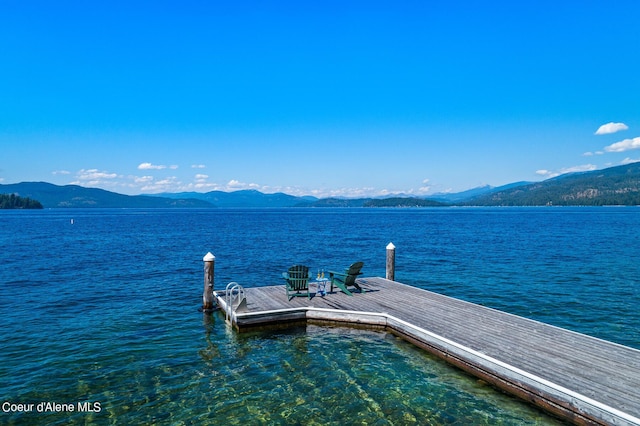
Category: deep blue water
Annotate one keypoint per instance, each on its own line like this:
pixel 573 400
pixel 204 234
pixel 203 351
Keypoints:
pixel 104 309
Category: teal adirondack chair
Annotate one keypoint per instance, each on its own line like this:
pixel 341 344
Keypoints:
pixel 297 281
pixel 344 279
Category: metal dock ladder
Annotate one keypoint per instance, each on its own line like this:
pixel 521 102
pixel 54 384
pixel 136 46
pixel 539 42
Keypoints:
pixel 234 298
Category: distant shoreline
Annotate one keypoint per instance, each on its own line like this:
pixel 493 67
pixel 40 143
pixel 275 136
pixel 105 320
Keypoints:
pixel 615 186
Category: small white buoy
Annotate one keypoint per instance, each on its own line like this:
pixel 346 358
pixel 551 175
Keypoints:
pixel 72 221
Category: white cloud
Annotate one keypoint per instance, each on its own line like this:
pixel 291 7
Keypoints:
pixel 551 174
pixel 234 185
pixel 625 145
pixel 149 166
pixel 150 184
pixel 425 188
pixel 355 192
pixel 168 181
pixel 198 166
pixel 169 184
pixel 96 178
pixel 582 168
pixel 142 179
pixel 612 127
pixel 60 172
pixel 630 160
pixel 95 174
pixel 205 186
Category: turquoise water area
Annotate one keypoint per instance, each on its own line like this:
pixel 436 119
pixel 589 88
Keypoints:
pixel 310 375
pixel 106 310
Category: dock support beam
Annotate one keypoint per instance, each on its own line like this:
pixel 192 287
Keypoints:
pixel 207 296
pixel 391 262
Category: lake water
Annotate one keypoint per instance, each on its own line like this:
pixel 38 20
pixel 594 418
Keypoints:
pixel 100 316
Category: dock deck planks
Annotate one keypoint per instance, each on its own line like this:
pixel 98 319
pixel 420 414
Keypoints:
pixel 605 376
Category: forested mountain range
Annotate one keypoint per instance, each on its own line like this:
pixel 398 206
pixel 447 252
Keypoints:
pixel 55 196
pixel 612 186
pixel 244 198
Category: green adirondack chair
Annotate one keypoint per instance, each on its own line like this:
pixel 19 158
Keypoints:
pixel 297 281
pixel 348 278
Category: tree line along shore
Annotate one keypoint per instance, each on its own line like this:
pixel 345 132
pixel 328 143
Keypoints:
pixel 12 201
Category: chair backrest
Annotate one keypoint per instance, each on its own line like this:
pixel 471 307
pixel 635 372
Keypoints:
pixel 353 272
pixel 298 277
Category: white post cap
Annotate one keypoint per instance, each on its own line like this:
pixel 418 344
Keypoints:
pixel 390 246
pixel 209 257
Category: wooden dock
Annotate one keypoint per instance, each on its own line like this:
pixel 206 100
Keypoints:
pixel 577 377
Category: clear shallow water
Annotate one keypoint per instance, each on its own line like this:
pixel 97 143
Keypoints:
pixel 106 309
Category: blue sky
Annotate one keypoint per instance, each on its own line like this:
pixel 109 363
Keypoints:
pixel 325 98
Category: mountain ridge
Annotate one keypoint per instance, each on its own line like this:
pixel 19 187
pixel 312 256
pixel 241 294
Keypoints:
pixel 75 196
pixel 619 185
pixel 244 198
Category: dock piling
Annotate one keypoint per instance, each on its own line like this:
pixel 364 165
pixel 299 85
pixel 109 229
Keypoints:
pixel 207 296
pixel 391 262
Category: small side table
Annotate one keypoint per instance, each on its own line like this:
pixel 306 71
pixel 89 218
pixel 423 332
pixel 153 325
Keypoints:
pixel 321 286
